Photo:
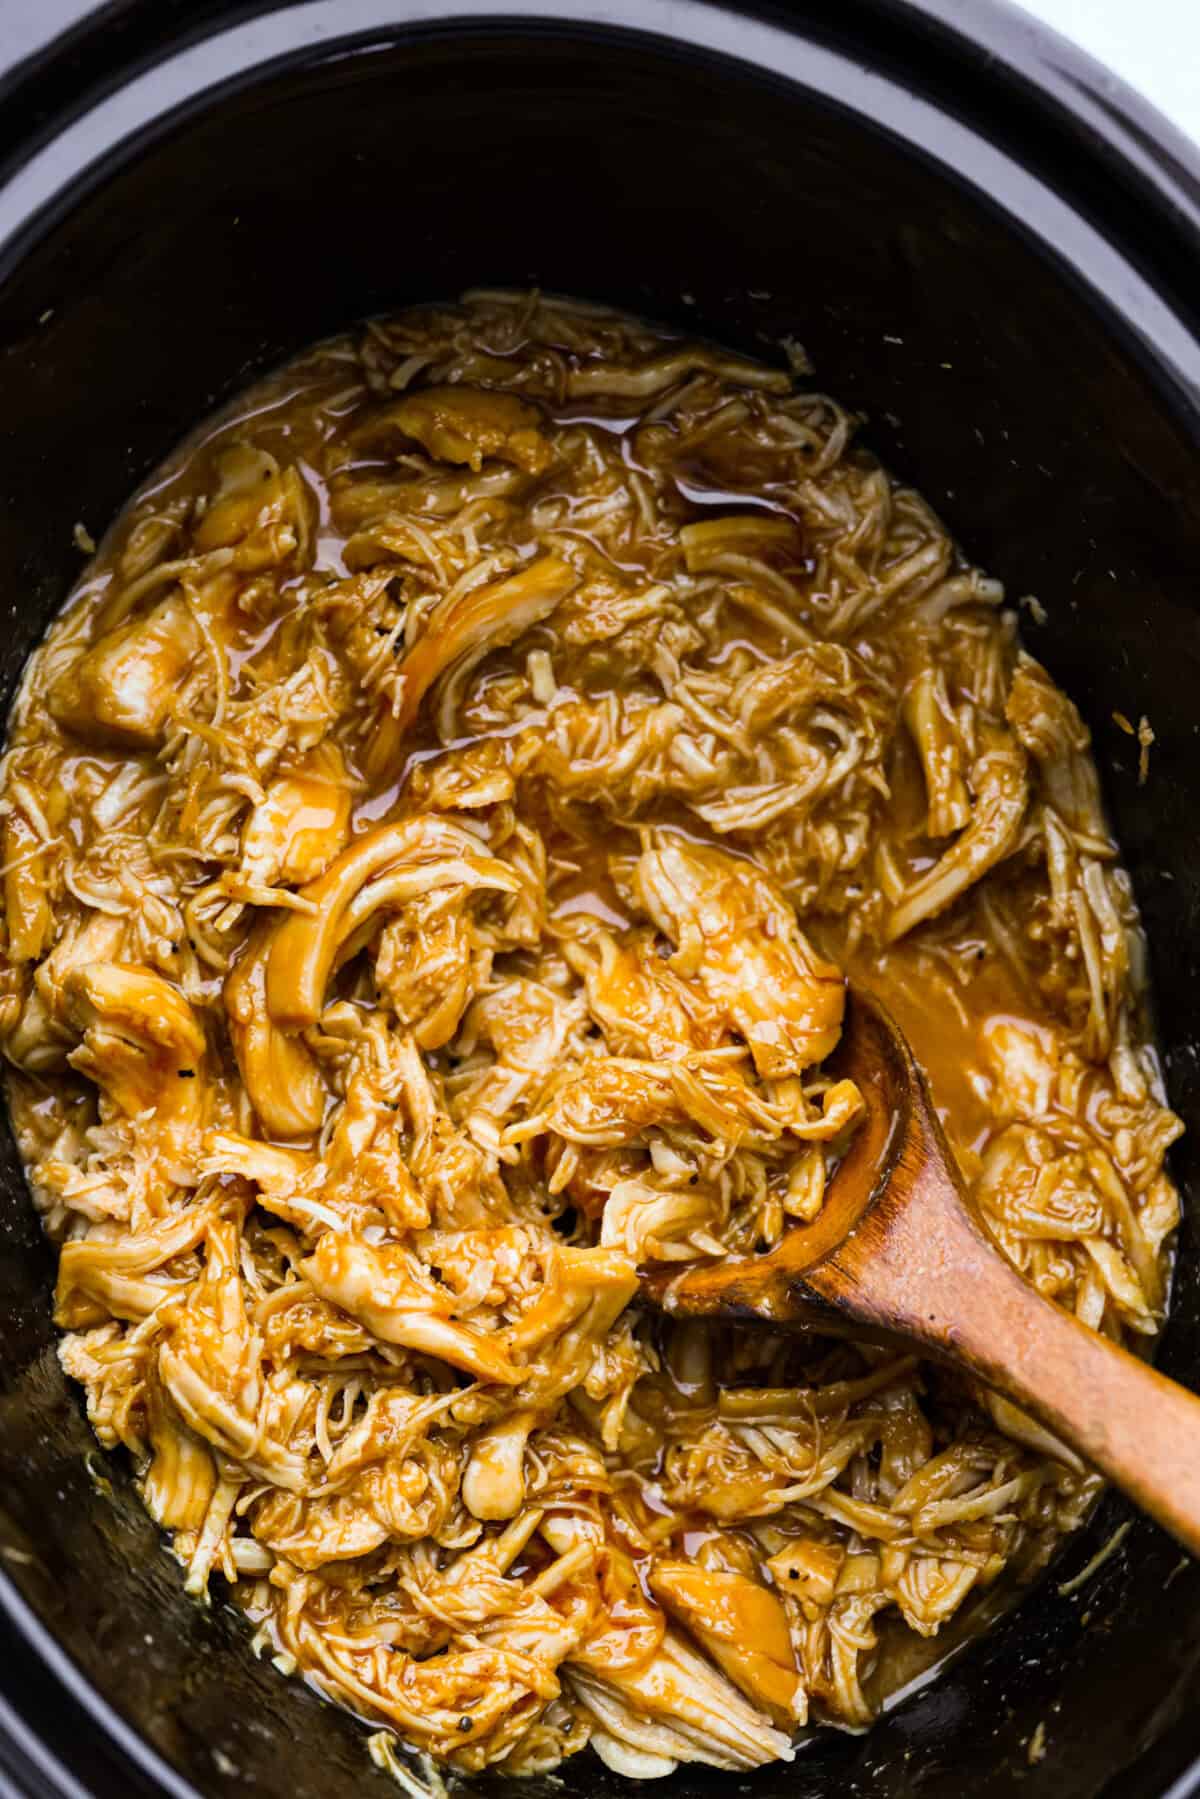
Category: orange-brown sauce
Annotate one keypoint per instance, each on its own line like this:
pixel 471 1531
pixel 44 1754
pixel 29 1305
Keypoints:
pixel 436 836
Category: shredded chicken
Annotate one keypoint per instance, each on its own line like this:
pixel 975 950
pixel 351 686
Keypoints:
pixel 437 836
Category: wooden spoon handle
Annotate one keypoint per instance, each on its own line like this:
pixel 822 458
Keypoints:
pixel 930 1273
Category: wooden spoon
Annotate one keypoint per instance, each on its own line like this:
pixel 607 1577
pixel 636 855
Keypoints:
pixel 896 1253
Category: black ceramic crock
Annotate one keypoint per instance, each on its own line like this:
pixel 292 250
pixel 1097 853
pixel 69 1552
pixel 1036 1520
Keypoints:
pixel 989 247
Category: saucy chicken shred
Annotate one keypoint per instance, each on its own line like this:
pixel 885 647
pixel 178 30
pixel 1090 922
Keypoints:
pixel 437 834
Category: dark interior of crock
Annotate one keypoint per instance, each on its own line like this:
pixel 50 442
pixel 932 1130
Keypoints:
pixel 699 195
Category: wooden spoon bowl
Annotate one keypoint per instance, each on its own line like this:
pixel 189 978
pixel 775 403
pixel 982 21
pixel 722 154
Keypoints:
pixel 896 1253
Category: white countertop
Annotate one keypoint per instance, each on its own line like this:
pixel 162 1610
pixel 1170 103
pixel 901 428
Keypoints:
pixel 1154 45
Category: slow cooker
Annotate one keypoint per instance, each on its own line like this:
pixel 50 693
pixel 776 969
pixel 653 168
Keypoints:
pixel 987 246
